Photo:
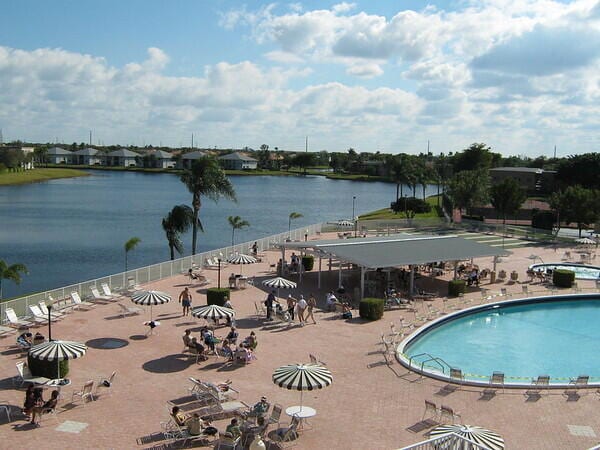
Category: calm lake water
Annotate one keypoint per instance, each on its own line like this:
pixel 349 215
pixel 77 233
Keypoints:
pixel 74 229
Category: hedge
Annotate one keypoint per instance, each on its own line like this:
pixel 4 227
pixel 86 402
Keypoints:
pixel 217 296
pixel 563 278
pixel 371 308
pixel 48 369
pixel 456 287
pixel 308 262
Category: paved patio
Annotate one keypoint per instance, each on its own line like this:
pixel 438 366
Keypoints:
pixel 370 405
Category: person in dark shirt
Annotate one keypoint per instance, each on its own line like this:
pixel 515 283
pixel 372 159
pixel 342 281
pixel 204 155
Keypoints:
pixel 47 407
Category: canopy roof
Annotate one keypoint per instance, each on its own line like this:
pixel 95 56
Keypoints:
pixel 399 250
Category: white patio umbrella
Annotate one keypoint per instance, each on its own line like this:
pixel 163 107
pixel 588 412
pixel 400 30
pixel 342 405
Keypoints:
pixel 151 298
pixel 58 351
pixel 302 377
pixel 585 241
pixel 345 223
pixel 240 258
pixel 279 283
pixel 214 312
pixel 487 438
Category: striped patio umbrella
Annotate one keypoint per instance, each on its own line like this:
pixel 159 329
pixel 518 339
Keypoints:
pixel 279 283
pixel 213 312
pixel 241 259
pixel 58 351
pixel 302 377
pixel 585 241
pixel 487 438
pixel 151 298
pixel 345 223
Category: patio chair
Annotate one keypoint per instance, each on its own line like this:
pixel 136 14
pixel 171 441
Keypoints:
pixel 431 413
pixel 86 393
pixel 6 331
pixel 315 360
pixel 275 414
pixel 38 316
pixel 107 291
pixel 448 415
pixel 14 321
pixel 106 384
pixel 496 380
pixel 97 296
pixel 64 305
pixel 260 310
pixel 572 390
pixel 525 289
pixel 537 384
pixel 25 376
pixel 227 440
pixel 54 315
pixel 80 304
pixel 127 310
pixel 288 436
pixel 457 376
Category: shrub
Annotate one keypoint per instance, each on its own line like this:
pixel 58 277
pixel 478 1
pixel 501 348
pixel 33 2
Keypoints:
pixel 543 219
pixel 371 308
pixel 456 287
pixel 308 262
pixel 216 296
pixel 48 369
pixel 563 278
pixel 410 204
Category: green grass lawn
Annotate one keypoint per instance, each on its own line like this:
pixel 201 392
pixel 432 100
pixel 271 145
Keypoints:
pixel 37 175
pixel 388 214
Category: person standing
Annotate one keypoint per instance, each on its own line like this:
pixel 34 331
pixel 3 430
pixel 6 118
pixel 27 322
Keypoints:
pixel 185 298
pixel 312 303
pixel 301 306
pixel 291 303
pixel 269 304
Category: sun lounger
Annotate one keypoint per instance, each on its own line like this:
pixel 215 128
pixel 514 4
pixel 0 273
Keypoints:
pixel 53 314
pixel 96 295
pixel 14 321
pixel 572 391
pixel 78 303
pixel 129 310
pixel 38 316
pixel 107 292
pixel 496 380
pixel 537 384
pixel 6 331
pixel 25 376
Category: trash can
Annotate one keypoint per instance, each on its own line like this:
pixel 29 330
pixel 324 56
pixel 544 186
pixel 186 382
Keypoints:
pixel 492 277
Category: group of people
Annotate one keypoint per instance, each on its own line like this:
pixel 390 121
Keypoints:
pixel 208 343
pixel 28 340
pixel 34 405
pixel 332 301
pixel 301 308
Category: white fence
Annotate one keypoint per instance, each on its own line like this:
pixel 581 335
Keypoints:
pixel 154 272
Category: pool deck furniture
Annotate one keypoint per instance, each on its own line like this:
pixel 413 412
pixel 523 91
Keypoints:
pixel 496 382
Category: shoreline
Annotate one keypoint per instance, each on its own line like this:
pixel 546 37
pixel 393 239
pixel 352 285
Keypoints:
pixel 39 175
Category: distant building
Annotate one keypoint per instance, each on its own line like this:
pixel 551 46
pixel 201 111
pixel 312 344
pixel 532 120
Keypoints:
pixel 533 180
pixel 122 158
pixel 88 157
pixel 238 161
pixel 162 160
pixel 187 159
pixel 57 155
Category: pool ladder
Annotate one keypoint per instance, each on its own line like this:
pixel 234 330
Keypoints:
pixel 439 361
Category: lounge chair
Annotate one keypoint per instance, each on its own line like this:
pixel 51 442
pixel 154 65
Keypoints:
pixel 572 391
pixel 38 316
pixel 86 393
pixel 106 384
pixel 288 436
pixel 448 415
pixel 6 331
pixel 431 413
pixel 78 303
pixel 14 321
pixel 97 296
pixel 537 384
pixel 227 440
pixel 496 380
pixel 108 293
pixel 25 376
pixel 127 310
pixel 457 376
pixel 53 314
pixel 64 305
pixel 315 360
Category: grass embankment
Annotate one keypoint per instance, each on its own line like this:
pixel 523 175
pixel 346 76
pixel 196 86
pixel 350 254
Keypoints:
pixel 37 175
pixel 388 214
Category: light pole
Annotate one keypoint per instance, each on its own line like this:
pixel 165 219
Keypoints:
pixel 49 322
pixel 353 219
pixel 306 235
pixel 219 269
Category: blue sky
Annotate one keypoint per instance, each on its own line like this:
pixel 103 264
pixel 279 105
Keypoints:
pixel 520 75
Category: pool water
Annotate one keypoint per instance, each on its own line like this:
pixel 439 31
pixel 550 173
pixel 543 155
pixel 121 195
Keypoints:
pixel 582 272
pixel 556 338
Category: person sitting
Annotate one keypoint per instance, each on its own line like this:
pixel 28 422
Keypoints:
pixel 47 407
pixel 197 347
pixel 177 416
pixel 244 353
pixel 232 336
pixel 209 338
pixel 233 428
pixel 226 349
pixel 192 275
pixel 347 312
pixel 331 301
pixel 260 409
pixel 227 304
pixel 24 340
pixel 251 342
pixel 187 338
pixel 33 397
pixel 197 425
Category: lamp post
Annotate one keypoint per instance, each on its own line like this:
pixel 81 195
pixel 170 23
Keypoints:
pixel 219 269
pixel 353 219
pixel 306 235
pixel 49 322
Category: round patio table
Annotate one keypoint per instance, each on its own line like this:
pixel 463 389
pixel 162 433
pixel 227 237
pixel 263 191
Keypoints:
pixel 302 413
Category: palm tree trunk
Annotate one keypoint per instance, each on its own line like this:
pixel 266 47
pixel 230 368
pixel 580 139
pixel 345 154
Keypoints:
pixel 172 249
pixel 125 260
pixel 397 190
pixel 401 190
pixel 232 235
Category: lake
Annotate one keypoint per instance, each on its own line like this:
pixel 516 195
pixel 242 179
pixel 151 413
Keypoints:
pixel 74 229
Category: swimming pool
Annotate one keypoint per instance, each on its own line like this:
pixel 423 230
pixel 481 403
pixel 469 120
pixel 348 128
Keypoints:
pixel 557 336
pixel 582 272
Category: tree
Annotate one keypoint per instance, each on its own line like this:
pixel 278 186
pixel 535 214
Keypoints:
pixel 580 169
pixel 130 245
pixel 236 223
pixel 205 178
pixel 304 160
pixel 507 197
pixel 576 205
pixel 468 188
pixel 293 216
pixel 476 157
pixel 12 273
pixel 397 172
pixel 179 220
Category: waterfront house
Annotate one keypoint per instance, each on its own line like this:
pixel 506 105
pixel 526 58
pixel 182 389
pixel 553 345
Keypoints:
pixel 57 155
pixel 122 158
pixel 187 159
pixel 160 160
pixel 238 161
pixel 88 157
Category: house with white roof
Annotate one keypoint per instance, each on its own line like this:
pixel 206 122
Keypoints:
pixel 122 158
pixel 58 155
pixel 238 161
pixel 88 157
pixel 161 160
pixel 187 159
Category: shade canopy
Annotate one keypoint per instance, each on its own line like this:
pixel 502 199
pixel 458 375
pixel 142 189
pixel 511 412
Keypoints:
pixel 240 258
pixel 150 298
pixel 279 283
pixel 58 350
pixel 487 438
pixel 345 223
pixel 585 241
pixel 302 377
pixel 213 312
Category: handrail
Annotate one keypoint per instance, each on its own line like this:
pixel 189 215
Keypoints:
pixel 437 360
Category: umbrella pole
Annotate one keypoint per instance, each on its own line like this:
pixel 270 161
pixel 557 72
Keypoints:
pixel 301 395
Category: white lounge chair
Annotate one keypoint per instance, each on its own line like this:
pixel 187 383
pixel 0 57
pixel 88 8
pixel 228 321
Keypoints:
pixel 6 331
pixel 106 384
pixel 38 316
pixel 78 303
pixel 53 314
pixel 129 310
pixel 14 321
pixel 25 376
pixel 106 291
pixel 64 305
pixel 87 393
pixel 97 296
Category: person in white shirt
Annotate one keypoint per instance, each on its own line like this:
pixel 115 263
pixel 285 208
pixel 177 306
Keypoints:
pixel 300 308
pixel 331 301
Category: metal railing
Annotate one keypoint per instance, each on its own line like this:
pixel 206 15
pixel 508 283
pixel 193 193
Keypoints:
pixel 153 272
pixel 451 441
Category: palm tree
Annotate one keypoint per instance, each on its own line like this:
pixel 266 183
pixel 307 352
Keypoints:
pixel 179 220
pixel 130 245
pixel 236 224
pixel 11 273
pixel 293 216
pixel 205 178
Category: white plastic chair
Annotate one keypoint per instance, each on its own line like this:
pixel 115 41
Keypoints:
pixel 106 384
pixel 87 393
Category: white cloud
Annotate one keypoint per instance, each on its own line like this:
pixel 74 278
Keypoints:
pixel 283 57
pixel 365 70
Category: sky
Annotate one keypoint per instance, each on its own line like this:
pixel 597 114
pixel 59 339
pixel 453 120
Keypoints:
pixel 390 76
